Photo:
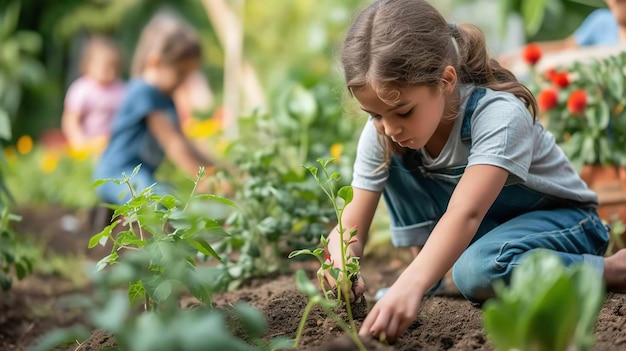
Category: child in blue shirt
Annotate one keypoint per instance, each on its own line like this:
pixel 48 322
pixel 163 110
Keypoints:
pixel 604 27
pixel 146 127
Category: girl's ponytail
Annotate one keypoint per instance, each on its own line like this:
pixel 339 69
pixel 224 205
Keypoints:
pixel 476 67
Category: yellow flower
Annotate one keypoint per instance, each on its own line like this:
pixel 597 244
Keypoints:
pixel 78 154
pixel 49 162
pixel 335 151
pixel 10 153
pixel 203 129
pixel 24 144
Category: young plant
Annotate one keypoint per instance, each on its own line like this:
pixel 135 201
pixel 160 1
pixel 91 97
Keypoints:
pixel 167 231
pixel 163 236
pixel 11 263
pixel 347 272
pixel 546 307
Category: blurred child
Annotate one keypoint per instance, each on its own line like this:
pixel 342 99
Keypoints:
pixel 92 99
pixel 146 126
pixel 602 27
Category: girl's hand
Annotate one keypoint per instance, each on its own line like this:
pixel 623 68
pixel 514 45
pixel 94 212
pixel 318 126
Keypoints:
pixel 394 313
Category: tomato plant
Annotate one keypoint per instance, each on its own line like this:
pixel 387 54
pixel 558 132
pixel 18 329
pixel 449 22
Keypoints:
pixel 346 272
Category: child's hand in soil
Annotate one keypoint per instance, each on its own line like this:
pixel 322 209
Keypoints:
pixel 358 286
pixel 393 313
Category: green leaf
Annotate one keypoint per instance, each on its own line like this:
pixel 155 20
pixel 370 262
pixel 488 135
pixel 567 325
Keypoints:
pixel 346 193
pixel 61 337
pixel 335 176
pixel 313 171
pixel 500 321
pixel 532 13
pixel 295 253
pixel 21 270
pixel 136 293
pixel 163 291
pixel 302 105
pixel 304 284
pixel 5 125
pixel 588 151
pixel 9 22
pixel 215 198
pixel 589 289
pixel 101 238
pixel 603 115
pixel 204 248
pixel 280 343
pixel 334 272
pixel 99 182
pixel 5 281
pixel 252 319
pixel 113 315
pixel 135 171
pixel 110 259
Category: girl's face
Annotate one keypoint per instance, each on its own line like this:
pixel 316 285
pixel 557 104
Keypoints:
pixel 171 76
pixel 103 66
pixel 411 120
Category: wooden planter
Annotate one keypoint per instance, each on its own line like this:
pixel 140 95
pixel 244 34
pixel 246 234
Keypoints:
pixel 609 182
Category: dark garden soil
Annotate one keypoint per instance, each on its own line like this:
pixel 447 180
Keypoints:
pixel 39 304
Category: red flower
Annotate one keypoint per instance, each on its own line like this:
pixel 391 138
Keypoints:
pixel 560 79
pixel 531 53
pixel 550 73
pixel 547 99
pixel 577 102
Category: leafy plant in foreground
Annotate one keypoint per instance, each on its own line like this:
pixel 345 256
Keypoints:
pixel 162 237
pixel 170 233
pixel 546 307
pixel 10 261
pixel 346 273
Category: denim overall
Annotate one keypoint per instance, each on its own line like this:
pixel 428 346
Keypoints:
pixel 520 220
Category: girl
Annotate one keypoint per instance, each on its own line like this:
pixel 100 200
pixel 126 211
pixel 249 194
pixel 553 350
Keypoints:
pixel 146 126
pixel 470 180
pixel 92 99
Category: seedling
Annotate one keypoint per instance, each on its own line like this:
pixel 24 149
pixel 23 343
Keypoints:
pixel 546 307
pixel 347 272
pixel 166 229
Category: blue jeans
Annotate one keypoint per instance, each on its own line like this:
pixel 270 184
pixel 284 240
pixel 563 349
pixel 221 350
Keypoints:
pixel 519 221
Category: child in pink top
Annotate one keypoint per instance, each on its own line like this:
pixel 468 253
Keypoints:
pixel 93 98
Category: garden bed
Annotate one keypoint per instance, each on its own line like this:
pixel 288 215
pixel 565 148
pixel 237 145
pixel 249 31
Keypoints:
pixel 39 304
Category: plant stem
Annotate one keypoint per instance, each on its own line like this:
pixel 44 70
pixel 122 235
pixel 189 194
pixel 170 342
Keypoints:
pixel 305 315
pixel 346 297
pixel 147 305
pixel 134 195
pixel 195 185
pixel 351 331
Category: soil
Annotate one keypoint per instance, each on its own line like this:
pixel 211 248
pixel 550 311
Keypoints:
pixel 39 304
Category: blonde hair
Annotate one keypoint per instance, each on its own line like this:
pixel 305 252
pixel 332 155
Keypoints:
pixel 168 37
pixel 96 43
pixel 400 43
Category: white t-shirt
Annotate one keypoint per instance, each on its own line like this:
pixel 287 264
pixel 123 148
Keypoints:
pixel 503 134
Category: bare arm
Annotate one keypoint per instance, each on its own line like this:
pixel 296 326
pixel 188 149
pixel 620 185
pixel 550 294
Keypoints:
pixel 70 125
pixel 477 190
pixel 472 198
pixel 557 45
pixel 177 147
